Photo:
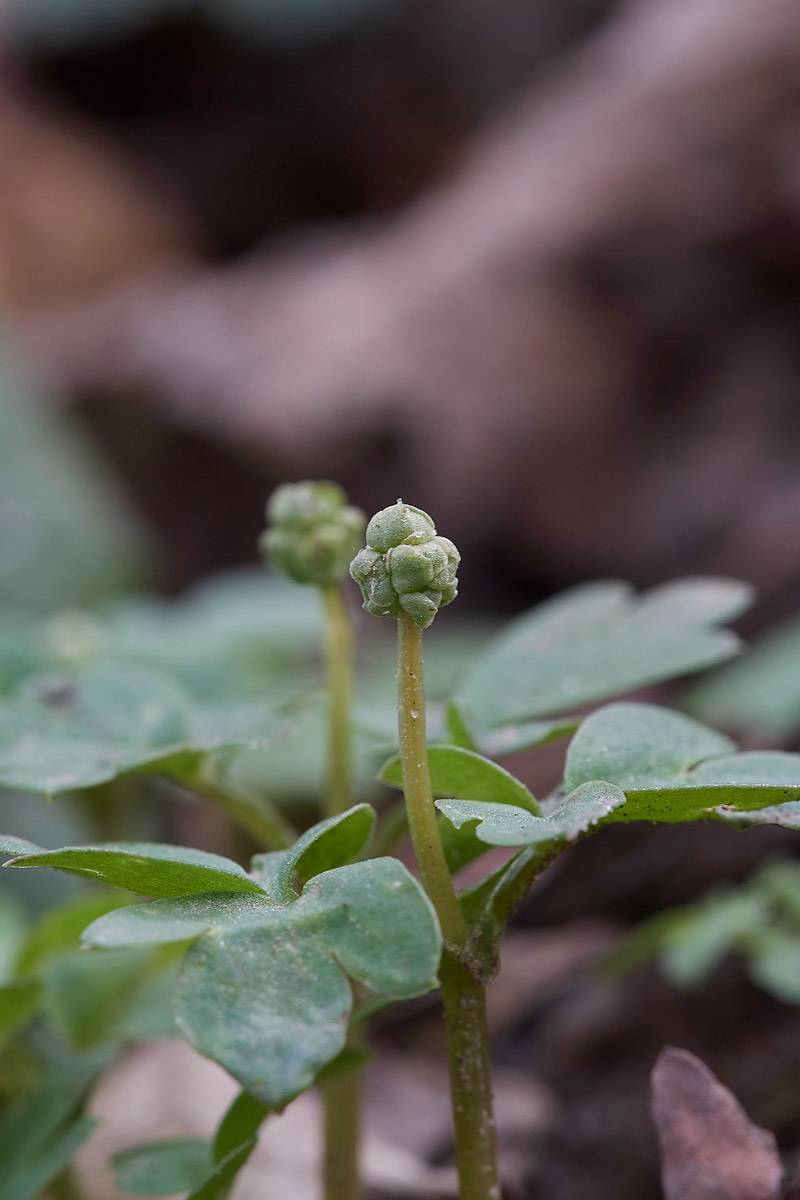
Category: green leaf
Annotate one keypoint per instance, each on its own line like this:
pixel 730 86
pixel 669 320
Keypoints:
pixel 66 731
pixel 222 1178
pixel 40 1135
pixel 638 745
pixel 328 844
pixel 241 1122
pixel 146 868
pixel 461 846
pixel 163 1168
pixel 87 1000
pixel 778 883
pixel 722 922
pixel 150 1016
pixel 530 735
pixel 774 964
pixel 274 1029
pixel 60 928
pixel 505 825
pixel 672 768
pixel 225 637
pixel 760 692
pixel 457 730
pixel 597 641
pixel 177 919
pixel 458 772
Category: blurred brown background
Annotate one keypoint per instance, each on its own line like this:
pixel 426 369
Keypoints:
pixel 530 263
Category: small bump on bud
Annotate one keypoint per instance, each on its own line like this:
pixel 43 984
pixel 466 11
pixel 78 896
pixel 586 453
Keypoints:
pixel 406 567
pixel 313 532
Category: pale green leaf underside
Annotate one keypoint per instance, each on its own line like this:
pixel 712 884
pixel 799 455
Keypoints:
pixel 456 771
pixel 596 641
pixel 506 825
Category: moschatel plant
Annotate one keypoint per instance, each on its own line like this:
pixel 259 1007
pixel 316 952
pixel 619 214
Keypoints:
pixel 274 969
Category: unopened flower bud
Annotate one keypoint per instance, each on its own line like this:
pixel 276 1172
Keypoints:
pixel 406 566
pixel 312 532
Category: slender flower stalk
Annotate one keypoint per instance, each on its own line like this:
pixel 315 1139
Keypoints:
pixel 312 536
pixel 341 1098
pixel 407 572
pixel 339 670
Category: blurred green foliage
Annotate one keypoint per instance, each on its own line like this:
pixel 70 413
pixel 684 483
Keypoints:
pixel 66 532
pixel 759 920
pixel 760 693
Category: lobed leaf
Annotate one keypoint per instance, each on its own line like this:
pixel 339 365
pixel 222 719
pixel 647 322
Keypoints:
pixel 275 1029
pixel 672 768
pixel 596 641
pixel 264 987
pixel 506 825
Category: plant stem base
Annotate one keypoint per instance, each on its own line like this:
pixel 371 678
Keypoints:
pixel 464 1002
pixel 341 1099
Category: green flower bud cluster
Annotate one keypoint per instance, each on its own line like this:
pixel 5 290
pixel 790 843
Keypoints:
pixel 313 532
pixel 406 566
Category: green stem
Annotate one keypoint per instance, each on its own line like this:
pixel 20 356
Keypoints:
pixel 339 668
pixel 255 815
pixel 341 1098
pixel 422 820
pixel 463 996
